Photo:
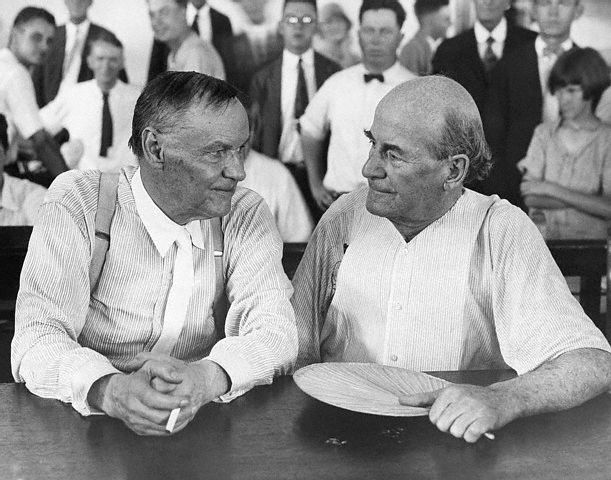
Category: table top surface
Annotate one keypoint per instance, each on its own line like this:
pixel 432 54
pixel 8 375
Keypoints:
pixel 279 432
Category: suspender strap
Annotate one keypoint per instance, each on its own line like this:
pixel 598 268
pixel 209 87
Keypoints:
pixel 221 304
pixel 107 198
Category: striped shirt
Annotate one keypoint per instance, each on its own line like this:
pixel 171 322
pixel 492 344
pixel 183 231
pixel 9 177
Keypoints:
pixel 476 289
pixel 66 338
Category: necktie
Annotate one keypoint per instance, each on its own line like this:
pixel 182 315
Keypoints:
pixel 179 295
pixel 552 50
pixel 195 24
pixel 301 96
pixel 490 58
pixel 374 76
pixel 106 141
pixel 3 132
pixel 73 52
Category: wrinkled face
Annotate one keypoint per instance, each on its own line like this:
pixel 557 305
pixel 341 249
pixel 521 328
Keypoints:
pixel 298 26
pixel 204 158
pixel 31 41
pixel 571 102
pixel 491 11
pixel 106 61
pixel 556 16
pixel 440 21
pixel 168 19
pixel 77 8
pixel 405 181
pixel 379 36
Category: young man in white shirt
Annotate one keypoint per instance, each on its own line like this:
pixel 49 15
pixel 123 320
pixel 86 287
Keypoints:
pixel 345 104
pixel 97 113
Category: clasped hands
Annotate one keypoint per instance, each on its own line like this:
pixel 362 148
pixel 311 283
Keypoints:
pixel 465 411
pixel 157 384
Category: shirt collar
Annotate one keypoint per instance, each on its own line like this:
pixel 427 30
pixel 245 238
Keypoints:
pixel 162 230
pixel 540 45
pixel 498 33
pixel 291 59
pixel 81 27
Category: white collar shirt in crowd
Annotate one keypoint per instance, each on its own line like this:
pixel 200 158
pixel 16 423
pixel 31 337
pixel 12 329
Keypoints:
pixel 98 333
pixel 17 97
pixel 272 180
pixel 289 148
pixel 76 36
pixel 476 289
pixel 433 43
pixel 78 109
pixel 345 106
pixel 196 55
pixel 20 201
pixel 498 33
pixel 546 62
pixel 204 24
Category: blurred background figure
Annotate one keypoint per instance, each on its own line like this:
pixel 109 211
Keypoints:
pixel 567 170
pixel 187 51
pixel 434 19
pixel 19 198
pixel 281 91
pixel 211 26
pixel 66 62
pixel 334 38
pixel 97 113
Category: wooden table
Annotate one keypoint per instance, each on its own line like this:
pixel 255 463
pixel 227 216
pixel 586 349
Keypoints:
pixel 279 432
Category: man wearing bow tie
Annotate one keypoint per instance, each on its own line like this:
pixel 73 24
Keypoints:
pixel 345 104
pixel 519 98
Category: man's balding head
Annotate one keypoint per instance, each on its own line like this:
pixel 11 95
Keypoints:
pixel 427 141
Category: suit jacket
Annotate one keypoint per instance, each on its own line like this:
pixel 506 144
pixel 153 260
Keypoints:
pixel 458 58
pixel 265 90
pixel 222 40
pixel 48 76
pixel 417 55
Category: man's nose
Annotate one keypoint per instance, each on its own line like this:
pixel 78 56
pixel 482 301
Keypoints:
pixel 234 167
pixel 373 166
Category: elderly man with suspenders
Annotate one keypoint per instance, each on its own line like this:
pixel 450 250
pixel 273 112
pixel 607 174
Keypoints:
pixel 129 274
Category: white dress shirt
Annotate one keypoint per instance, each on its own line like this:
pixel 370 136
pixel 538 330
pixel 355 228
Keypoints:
pixel 194 54
pixel 498 33
pixel 20 201
pixel 17 97
pixel 551 109
pixel 67 337
pixel 78 109
pixel 272 180
pixel 345 105
pixel 75 44
pixel 289 148
pixel 204 24
pixel 476 289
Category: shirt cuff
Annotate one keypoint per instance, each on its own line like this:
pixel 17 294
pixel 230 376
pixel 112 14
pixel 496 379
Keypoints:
pixel 238 370
pixel 83 379
pixel 307 127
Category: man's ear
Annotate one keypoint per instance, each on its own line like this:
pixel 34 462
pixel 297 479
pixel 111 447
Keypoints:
pixel 153 152
pixel 458 167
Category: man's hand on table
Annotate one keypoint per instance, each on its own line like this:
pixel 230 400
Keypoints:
pixel 466 411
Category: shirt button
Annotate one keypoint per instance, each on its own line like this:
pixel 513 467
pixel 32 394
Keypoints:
pixel 398 306
pixel 394 358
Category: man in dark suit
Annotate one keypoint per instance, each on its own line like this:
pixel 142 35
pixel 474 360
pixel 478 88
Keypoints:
pixel 66 62
pixel 209 24
pixel 519 99
pixel 281 90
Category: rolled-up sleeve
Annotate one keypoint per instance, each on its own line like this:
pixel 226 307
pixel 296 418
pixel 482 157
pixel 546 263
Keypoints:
pixel 261 336
pixel 315 120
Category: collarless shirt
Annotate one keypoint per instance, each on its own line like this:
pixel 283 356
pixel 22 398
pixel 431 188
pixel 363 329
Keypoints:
pixel 498 33
pixel 204 23
pixel 545 63
pixel 17 97
pixel 345 105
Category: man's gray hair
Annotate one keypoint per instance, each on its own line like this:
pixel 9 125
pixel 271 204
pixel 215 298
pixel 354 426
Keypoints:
pixel 463 134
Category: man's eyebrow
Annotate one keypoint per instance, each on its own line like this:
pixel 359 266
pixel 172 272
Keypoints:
pixel 368 134
pixel 385 146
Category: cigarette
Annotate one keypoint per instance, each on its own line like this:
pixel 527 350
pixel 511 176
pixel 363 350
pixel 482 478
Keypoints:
pixel 174 416
pixel 488 435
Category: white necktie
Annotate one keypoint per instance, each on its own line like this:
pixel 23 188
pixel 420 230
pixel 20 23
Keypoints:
pixel 74 51
pixel 179 296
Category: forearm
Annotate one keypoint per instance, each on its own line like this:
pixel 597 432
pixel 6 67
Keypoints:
pixel 48 153
pixel 313 155
pixel 596 205
pixel 565 382
pixel 542 201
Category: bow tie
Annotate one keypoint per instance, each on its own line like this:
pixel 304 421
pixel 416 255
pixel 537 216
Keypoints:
pixel 374 76
pixel 550 50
